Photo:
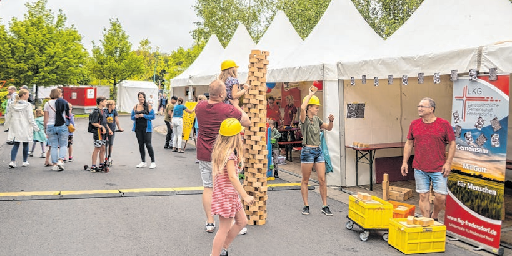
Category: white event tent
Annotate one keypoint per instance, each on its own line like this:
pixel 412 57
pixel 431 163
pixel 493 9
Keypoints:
pixel 127 93
pixel 341 33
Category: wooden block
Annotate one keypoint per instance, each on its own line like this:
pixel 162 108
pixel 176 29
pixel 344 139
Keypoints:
pixel 410 220
pixel 255 83
pixel 260 57
pixel 364 196
pixel 253 60
pixel 385 187
pixel 266 53
pixel 425 222
pixel 401 194
pixel 259 74
pixel 255 52
pixel 253 69
pixel 265 62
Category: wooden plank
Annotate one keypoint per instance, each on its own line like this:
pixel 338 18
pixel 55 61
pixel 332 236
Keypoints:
pixel 385 187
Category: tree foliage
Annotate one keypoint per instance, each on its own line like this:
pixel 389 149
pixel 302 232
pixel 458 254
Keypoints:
pixel 303 14
pixel 113 59
pixel 41 49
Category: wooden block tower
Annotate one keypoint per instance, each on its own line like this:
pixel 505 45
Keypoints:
pixel 255 105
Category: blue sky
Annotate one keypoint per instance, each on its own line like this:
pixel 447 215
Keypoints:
pixel 166 23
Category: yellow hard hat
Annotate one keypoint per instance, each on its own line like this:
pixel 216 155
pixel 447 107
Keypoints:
pixel 228 64
pixel 230 127
pixel 313 101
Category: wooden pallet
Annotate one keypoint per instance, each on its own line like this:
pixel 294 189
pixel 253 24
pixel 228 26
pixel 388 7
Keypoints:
pixel 255 152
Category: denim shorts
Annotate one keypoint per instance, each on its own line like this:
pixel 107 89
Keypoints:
pixel 309 155
pixel 439 183
pixel 206 173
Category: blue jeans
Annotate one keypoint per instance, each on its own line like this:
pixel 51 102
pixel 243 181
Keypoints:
pixel 310 155
pixel 14 151
pixel 439 183
pixel 58 140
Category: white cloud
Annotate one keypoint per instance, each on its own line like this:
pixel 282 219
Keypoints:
pixel 165 23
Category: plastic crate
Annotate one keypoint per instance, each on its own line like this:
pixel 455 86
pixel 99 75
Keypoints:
pixel 370 216
pixel 411 240
pixel 402 213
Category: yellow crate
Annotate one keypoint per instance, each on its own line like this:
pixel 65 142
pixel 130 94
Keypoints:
pixel 411 240
pixel 370 216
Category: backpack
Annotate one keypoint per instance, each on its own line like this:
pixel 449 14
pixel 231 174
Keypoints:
pixel 91 128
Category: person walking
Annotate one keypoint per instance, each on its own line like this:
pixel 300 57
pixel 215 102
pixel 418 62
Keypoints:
pixel 229 75
pixel 311 153
pixel 142 114
pixel 21 125
pixel 227 162
pixel 39 136
pixel 210 114
pixel 71 119
pixel 177 125
pixel 56 129
pixel 113 124
pixel 429 135
pixel 100 130
pixel 169 108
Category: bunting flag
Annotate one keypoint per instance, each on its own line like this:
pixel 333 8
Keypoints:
pixel 437 78
pixel 405 79
pixel 454 75
pixel 363 79
pixel 420 78
pixel 375 81
pixel 473 73
pixel 352 81
pixel 390 79
pixel 493 74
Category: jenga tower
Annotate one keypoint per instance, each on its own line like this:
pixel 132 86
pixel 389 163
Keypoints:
pixel 255 105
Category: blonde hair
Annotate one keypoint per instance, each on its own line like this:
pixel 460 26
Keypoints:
pixel 230 72
pixel 39 112
pixel 201 97
pixel 111 102
pixel 54 93
pixel 223 148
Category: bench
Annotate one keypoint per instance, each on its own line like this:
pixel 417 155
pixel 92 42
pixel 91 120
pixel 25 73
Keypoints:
pixel 289 146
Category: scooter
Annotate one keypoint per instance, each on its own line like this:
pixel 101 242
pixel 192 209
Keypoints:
pixel 105 167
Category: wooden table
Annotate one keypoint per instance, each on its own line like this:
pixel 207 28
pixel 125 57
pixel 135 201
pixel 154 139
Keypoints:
pixel 368 153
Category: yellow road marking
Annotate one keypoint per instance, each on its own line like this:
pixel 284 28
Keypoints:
pixel 117 191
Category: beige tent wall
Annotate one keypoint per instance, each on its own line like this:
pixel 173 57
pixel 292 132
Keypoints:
pixel 383 121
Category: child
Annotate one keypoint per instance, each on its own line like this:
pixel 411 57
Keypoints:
pixel 274 137
pixel 227 160
pixel 113 123
pixel 70 135
pixel 100 129
pixel 228 75
pixel 39 136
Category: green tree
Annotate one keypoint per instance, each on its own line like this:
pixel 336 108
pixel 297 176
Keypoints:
pixel 181 59
pixel 303 14
pixel 114 60
pixel 5 53
pixel 41 49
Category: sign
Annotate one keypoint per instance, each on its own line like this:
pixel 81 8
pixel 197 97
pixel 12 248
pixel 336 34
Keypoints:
pixel 73 95
pixel 90 93
pixel 355 110
pixel 188 120
pixel 474 205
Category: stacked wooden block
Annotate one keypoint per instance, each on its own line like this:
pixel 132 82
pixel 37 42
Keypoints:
pixel 256 162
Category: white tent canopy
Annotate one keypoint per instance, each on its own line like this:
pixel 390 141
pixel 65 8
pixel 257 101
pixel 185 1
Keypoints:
pixel 280 40
pixel 442 35
pixel 211 52
pixel 238 50
pixel 128 90
pixel 341 33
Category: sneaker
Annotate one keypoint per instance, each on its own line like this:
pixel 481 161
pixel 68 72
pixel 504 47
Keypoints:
pixel 326 211
pixel 197 161
pixel 64 160
pixel 152 165
pixel 224 252
pixel 43 155
pixel 242 232
pixel 30 153
pixel 25 164
pixel 70 159
pixel 60 166
pixel 55 168
pixel 210 227
pixel 94 169
pixel 141 165
pixel 12 164
pixel 305 210
pixel 110 161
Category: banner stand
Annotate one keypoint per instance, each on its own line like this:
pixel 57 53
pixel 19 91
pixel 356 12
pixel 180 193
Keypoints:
pixel 480 247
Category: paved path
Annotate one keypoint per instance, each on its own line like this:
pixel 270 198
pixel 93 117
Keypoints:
pixel 154 223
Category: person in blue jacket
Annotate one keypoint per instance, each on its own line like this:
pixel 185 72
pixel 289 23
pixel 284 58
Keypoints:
pixel 142 114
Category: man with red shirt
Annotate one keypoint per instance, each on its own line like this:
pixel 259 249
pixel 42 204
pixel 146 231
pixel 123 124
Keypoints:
pixel 429 135
pixel 210 115
pixel 273 110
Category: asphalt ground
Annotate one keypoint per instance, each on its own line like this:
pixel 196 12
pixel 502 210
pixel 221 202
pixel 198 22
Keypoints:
pixel 158 213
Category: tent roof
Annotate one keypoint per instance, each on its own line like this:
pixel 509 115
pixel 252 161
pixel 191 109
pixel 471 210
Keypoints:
pixel 238 50
pixel 138 84
pixel 211 51
pixel 341 33
pixel 442 35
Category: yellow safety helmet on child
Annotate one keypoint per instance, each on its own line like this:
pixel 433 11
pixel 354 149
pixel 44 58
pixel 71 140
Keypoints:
pixel 230 127
pixel 228 64
pixel 312 101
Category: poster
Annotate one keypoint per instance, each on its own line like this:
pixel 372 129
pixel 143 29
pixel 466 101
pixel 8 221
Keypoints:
pixel 355 110
pixel 474 205
pixel 188 120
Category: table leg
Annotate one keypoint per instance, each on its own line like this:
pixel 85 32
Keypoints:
pixel 357 167
pixel 290 152
pixel 370 160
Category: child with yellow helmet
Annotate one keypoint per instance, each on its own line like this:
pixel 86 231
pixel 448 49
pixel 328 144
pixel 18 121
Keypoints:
pixel 227 161
pixel 229 75
pixel 311 153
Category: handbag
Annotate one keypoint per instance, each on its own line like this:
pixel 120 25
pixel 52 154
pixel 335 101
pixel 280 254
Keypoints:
pixel 71 128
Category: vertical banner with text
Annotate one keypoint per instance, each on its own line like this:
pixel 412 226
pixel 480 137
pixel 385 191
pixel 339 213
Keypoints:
pixel 474 205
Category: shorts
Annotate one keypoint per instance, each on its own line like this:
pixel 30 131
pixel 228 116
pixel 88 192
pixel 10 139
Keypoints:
pixel 206 173
pixel 98 142
pixel 310 155
pixel 70 140
pixel 110 139
pixel 423 179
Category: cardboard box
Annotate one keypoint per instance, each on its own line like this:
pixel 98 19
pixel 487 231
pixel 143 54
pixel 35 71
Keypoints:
pixel 401 194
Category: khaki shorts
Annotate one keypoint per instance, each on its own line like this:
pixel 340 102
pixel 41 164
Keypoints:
pixel 206 173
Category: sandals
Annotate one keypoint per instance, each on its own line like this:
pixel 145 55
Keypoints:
pixel 175 150
pixel 47 165
pixel 181 151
